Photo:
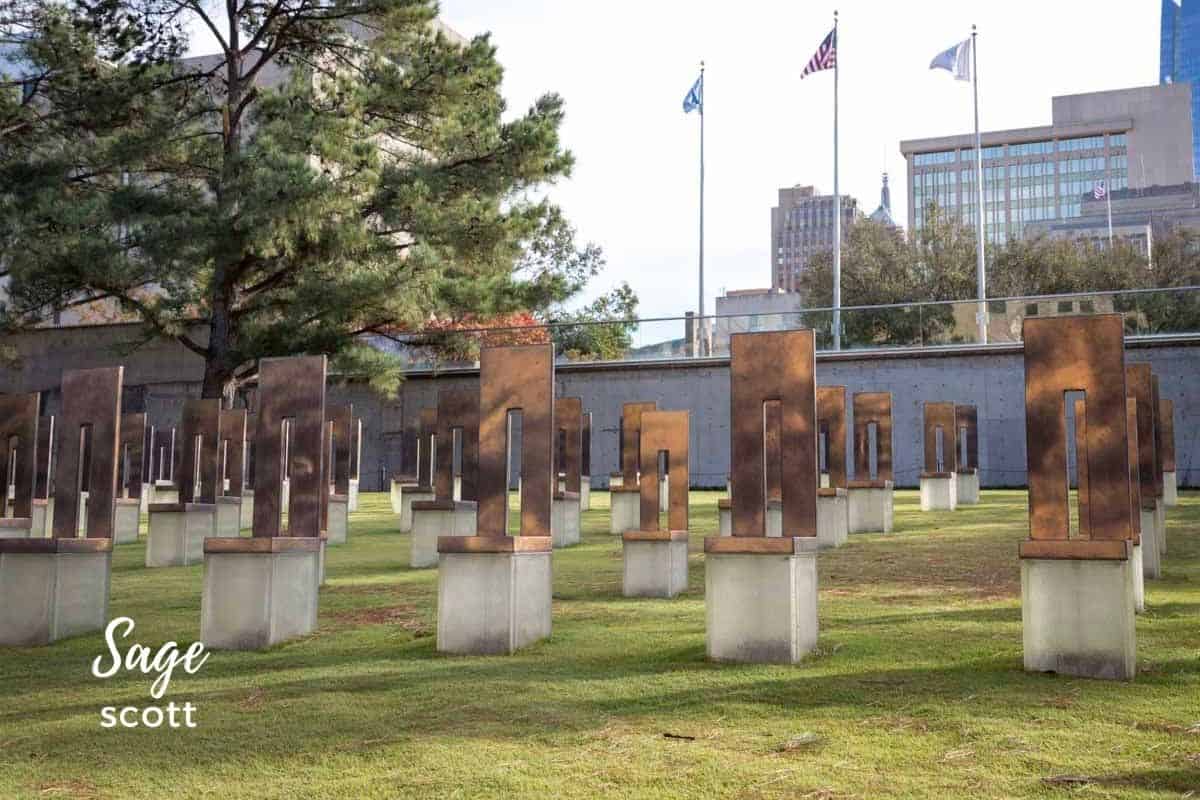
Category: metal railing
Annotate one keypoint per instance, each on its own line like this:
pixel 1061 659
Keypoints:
pixel 1147 312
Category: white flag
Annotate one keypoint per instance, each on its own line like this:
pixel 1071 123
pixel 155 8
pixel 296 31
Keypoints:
pixel 956 60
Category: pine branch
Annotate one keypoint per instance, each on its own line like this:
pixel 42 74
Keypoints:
pixel 263 27
pixel 197 8
pixel 151 317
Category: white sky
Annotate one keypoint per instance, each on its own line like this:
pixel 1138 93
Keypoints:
pixel 623 67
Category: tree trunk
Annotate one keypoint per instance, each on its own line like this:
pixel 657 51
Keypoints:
pixel 218 381
pixel 219 365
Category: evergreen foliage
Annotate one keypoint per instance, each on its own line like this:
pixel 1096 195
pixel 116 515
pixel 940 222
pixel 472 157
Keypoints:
pixel 340 168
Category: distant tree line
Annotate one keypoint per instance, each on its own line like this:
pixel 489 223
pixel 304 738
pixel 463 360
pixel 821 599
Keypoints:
pixel 880 266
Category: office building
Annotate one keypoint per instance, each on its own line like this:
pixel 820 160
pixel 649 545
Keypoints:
pixel 1179 55
pixel 1139 217
pixel 754 310
pixel 1137 138
pixel 801 226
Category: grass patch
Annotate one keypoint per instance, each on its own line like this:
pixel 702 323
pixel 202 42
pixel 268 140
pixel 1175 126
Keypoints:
pixel 916 692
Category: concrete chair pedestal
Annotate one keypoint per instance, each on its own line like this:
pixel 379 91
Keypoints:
pixel 164 492
pixel 1170 489
pixel 396 492
pixel 1139 577
pixel 967 481
pixel 433 519
pixel 178 532
pixel 42 519
pixel 494 593
pixel 939 491
pixel 656 563
pixel 1151 548
pixel 83 514
pixel 127 517
pixel 1077 614
pixel 229 516
pixel 353 495
pixel 870 506
pixel 247 512
pixel 16 528
pixel 258 591
pixel 832 518
pixel 564 519
pixel 625 513
pixel 664 491
pixel 760 598
pixel 52 589
pixel 339 519
pixel 409 494
pixel 585 493
pixel 1160 519
pixel 774 520
pixel 324 537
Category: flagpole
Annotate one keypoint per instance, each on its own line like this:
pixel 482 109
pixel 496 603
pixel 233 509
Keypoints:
pixel 980 266
pixel 837 203
pixel 1108 198
pixel 700 331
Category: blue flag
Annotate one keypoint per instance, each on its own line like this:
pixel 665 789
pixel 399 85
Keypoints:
pixel 695 97
pixel 956 60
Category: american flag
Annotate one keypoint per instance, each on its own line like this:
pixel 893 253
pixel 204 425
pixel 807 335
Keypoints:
pixel 825 57
pixel 1100 192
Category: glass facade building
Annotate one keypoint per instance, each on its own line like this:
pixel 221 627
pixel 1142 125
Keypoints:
pixel 1137 137
pixel 1179 55
pixel 1023 182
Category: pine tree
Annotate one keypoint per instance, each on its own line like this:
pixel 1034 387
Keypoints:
pixel 340 168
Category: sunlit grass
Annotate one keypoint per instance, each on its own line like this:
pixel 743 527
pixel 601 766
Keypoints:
pixel 916 691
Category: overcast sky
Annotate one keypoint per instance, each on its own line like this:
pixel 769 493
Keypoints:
pixel 624 66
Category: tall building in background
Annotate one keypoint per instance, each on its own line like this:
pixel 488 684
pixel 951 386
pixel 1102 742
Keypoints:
pixel 1179 55
pixel 1135 138
pixel 801 226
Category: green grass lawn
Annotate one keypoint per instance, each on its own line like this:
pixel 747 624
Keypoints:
pixel 916 691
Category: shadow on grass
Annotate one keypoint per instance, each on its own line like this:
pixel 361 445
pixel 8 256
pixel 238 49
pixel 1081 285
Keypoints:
pixel 351 572
pixel 447 699
pixel 1172 610
pixel 981 615
pixel 1177 781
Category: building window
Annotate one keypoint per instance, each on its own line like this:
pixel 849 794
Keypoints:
pixel 989 153
pixel 1031 149
pixel 929 159
pixel 1081 143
